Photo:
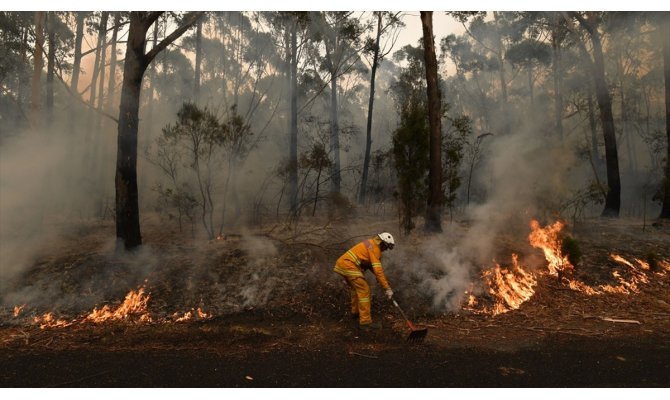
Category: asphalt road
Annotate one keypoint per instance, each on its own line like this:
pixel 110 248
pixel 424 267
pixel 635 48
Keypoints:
pixel 585 363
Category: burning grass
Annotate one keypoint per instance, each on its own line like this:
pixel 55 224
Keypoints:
pixel 133 309
pixel 509 287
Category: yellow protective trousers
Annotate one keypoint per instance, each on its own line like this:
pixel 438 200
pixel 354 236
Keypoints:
pixel 358 289
pixel 360 299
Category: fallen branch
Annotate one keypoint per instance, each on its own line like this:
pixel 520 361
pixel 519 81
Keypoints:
pixel 623 321
pixel 353 353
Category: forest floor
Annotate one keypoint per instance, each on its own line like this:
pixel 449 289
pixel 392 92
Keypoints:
pixel 273 314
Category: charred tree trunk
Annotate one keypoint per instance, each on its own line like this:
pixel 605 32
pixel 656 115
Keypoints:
pixel 136 62
pixel 76 63
pixel 51 65
pixel 127 204
pixel 371 102
pixel 434 209
pixel 665 210
pixel 38 63
pixel 613 198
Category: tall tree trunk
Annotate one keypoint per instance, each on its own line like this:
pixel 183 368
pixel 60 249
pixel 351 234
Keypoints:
pixel 198 61
pixel 76 63
pixel 96 64
pixel 613 198
pixel 135 64
pixel 434 209
pixel 556 72
pixel 334 135
pixel 500 54
pixel 293 119
pixel 102 69
pixel 111 85
pixel 371 101
pixel 38 63
pixel 127 203
pixel 665 210
pixel 51 65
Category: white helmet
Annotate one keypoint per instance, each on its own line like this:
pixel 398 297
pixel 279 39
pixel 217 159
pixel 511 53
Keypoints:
pixel 387 238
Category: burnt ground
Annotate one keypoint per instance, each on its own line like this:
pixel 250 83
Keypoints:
pixel 279 318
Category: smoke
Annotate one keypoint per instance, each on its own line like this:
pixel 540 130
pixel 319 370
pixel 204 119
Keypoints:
pixel 525 173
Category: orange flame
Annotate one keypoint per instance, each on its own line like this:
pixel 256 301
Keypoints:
pixel 49 321
pixel 512 287
pixel 548 240
pixel 18 309
pixel 134 309
pixel 135 304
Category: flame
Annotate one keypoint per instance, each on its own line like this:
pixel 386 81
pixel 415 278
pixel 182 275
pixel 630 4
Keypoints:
pixel 134 308
pixel 508 287
pixel 135 304
pixel 548 240
pixel 18 309
pixel 49 321
pixel 511 287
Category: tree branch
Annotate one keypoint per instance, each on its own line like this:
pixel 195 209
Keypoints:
pixel 188 22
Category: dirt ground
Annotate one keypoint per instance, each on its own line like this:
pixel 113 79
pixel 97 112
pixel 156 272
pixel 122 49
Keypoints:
pixel 276 316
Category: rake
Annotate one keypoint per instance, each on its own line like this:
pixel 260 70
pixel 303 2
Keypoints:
pixel 416 335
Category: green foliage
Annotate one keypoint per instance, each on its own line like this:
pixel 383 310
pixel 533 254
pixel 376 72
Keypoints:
pixel 570 247
pixel 204 142
pixel 411 144
pixel 453 143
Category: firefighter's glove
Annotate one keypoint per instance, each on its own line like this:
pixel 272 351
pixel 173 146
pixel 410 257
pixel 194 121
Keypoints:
pixel 389 294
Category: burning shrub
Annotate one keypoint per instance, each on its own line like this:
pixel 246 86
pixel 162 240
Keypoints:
pixel 652 259
pixel 570 247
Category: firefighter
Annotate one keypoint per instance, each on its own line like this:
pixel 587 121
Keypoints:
pixel 364 256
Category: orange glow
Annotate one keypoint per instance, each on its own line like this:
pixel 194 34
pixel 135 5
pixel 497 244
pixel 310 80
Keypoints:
pixel 548 240
pixel 18 309
pixel 134 309
pixel 134 305
pixel 511 287
pixel 49 321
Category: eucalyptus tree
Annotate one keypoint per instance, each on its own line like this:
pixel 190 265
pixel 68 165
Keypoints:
pixel 435 196
pixel 137 59
pixel 590 23
pixel 388 23
pixel 290 30
pixel 664 22
pixel 339 32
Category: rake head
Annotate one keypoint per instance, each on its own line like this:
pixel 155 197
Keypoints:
pixel 417 335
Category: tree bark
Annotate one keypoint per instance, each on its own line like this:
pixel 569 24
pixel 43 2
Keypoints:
pixel 51 65
pixel 111 86
pixel 613 198
pixel 334 136
pixel 371 101
pixel 76 63
pixel 96 64
pixel 293 119
pixel 198 61
pixel 665 22
pixel 556 72
pixel 136 62
pixel 434 209
pixel 38 63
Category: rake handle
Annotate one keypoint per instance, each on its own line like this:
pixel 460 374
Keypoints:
pixel 409 323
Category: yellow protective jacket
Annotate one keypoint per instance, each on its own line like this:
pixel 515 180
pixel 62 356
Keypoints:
pixel 365 255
